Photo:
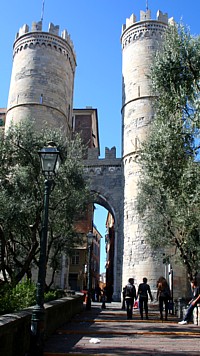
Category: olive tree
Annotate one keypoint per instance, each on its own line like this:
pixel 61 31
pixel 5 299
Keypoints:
pixel 169 190
pixel 21 197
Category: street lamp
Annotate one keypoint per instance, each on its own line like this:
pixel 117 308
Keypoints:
pixel 171 284
pixel 50 162
pixel 90 237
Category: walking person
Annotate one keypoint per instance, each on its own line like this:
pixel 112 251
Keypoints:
pixel 143 292
pixel 163 296
pixel 130 296
pixel 123 298
pixel 97 293
pixel 193 302
pixel 103 299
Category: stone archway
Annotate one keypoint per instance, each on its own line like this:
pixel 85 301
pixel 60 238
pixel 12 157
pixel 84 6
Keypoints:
pixel 105 180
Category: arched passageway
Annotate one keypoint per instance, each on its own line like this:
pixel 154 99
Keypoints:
pixel 100 216
pixel 104 223
pixel 104 177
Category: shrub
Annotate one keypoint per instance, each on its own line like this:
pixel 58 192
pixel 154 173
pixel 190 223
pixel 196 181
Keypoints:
pixel 23 296
pixel 20 297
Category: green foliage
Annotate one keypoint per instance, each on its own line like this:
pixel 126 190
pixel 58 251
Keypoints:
pixel 22 296
pixel 169 190
pixel 22 199
pixel 53 294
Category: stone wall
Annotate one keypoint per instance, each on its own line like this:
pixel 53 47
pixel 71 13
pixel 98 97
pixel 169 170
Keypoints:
pixel 42 81
pixel 140 41
pixel 15 328
pixel 196 315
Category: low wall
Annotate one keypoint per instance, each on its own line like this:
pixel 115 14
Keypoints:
pixel 196 315
pixel 182 307
pixel 15 328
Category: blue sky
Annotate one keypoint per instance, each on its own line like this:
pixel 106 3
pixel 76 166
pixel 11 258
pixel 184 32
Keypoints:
pixel 95 29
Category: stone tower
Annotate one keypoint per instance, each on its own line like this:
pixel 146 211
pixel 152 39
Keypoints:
pixel 140 40
pixel 42 81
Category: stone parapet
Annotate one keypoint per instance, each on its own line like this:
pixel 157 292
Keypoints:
pixel 53 29
pixel 196 315
pixel 15 328
pixel 145 16
pixel 150 29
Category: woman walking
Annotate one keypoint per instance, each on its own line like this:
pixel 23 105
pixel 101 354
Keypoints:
pixel 163 296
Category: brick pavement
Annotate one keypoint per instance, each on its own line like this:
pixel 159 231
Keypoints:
pixel 117 336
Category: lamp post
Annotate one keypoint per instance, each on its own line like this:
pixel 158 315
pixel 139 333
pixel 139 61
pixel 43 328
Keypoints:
pixel 50 162
pixel 90 237
pixel 171 284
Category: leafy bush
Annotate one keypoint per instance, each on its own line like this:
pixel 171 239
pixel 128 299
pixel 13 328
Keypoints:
pixel 17 298
pixel 23 296
pixel 54 294
pixel 51 295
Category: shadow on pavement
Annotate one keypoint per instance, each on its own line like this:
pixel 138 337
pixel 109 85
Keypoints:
pixel 117 336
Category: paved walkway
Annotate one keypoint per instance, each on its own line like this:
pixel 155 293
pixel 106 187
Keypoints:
pixel 108 333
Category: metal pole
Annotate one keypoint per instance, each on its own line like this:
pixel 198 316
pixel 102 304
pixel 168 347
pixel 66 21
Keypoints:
pixel 38 313
pixel 171 282
pixel 89 280
pixel 172 290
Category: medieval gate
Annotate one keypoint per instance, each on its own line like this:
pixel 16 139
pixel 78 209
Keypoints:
pixel 105 180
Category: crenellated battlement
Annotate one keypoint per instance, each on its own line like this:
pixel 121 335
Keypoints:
pixel 162 17
pixel 52 29
pixel 145 16
pixel 36 38
pixel 110 154
pixel 94 165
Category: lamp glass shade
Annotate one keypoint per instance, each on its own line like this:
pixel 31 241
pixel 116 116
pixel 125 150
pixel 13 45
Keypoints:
pixel 50 160
pixel 90 237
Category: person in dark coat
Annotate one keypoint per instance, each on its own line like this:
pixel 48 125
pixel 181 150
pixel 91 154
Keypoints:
pixel 103 299
pixel 130 296
pixel 123 298
pixel 97 293
pixel 143 292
